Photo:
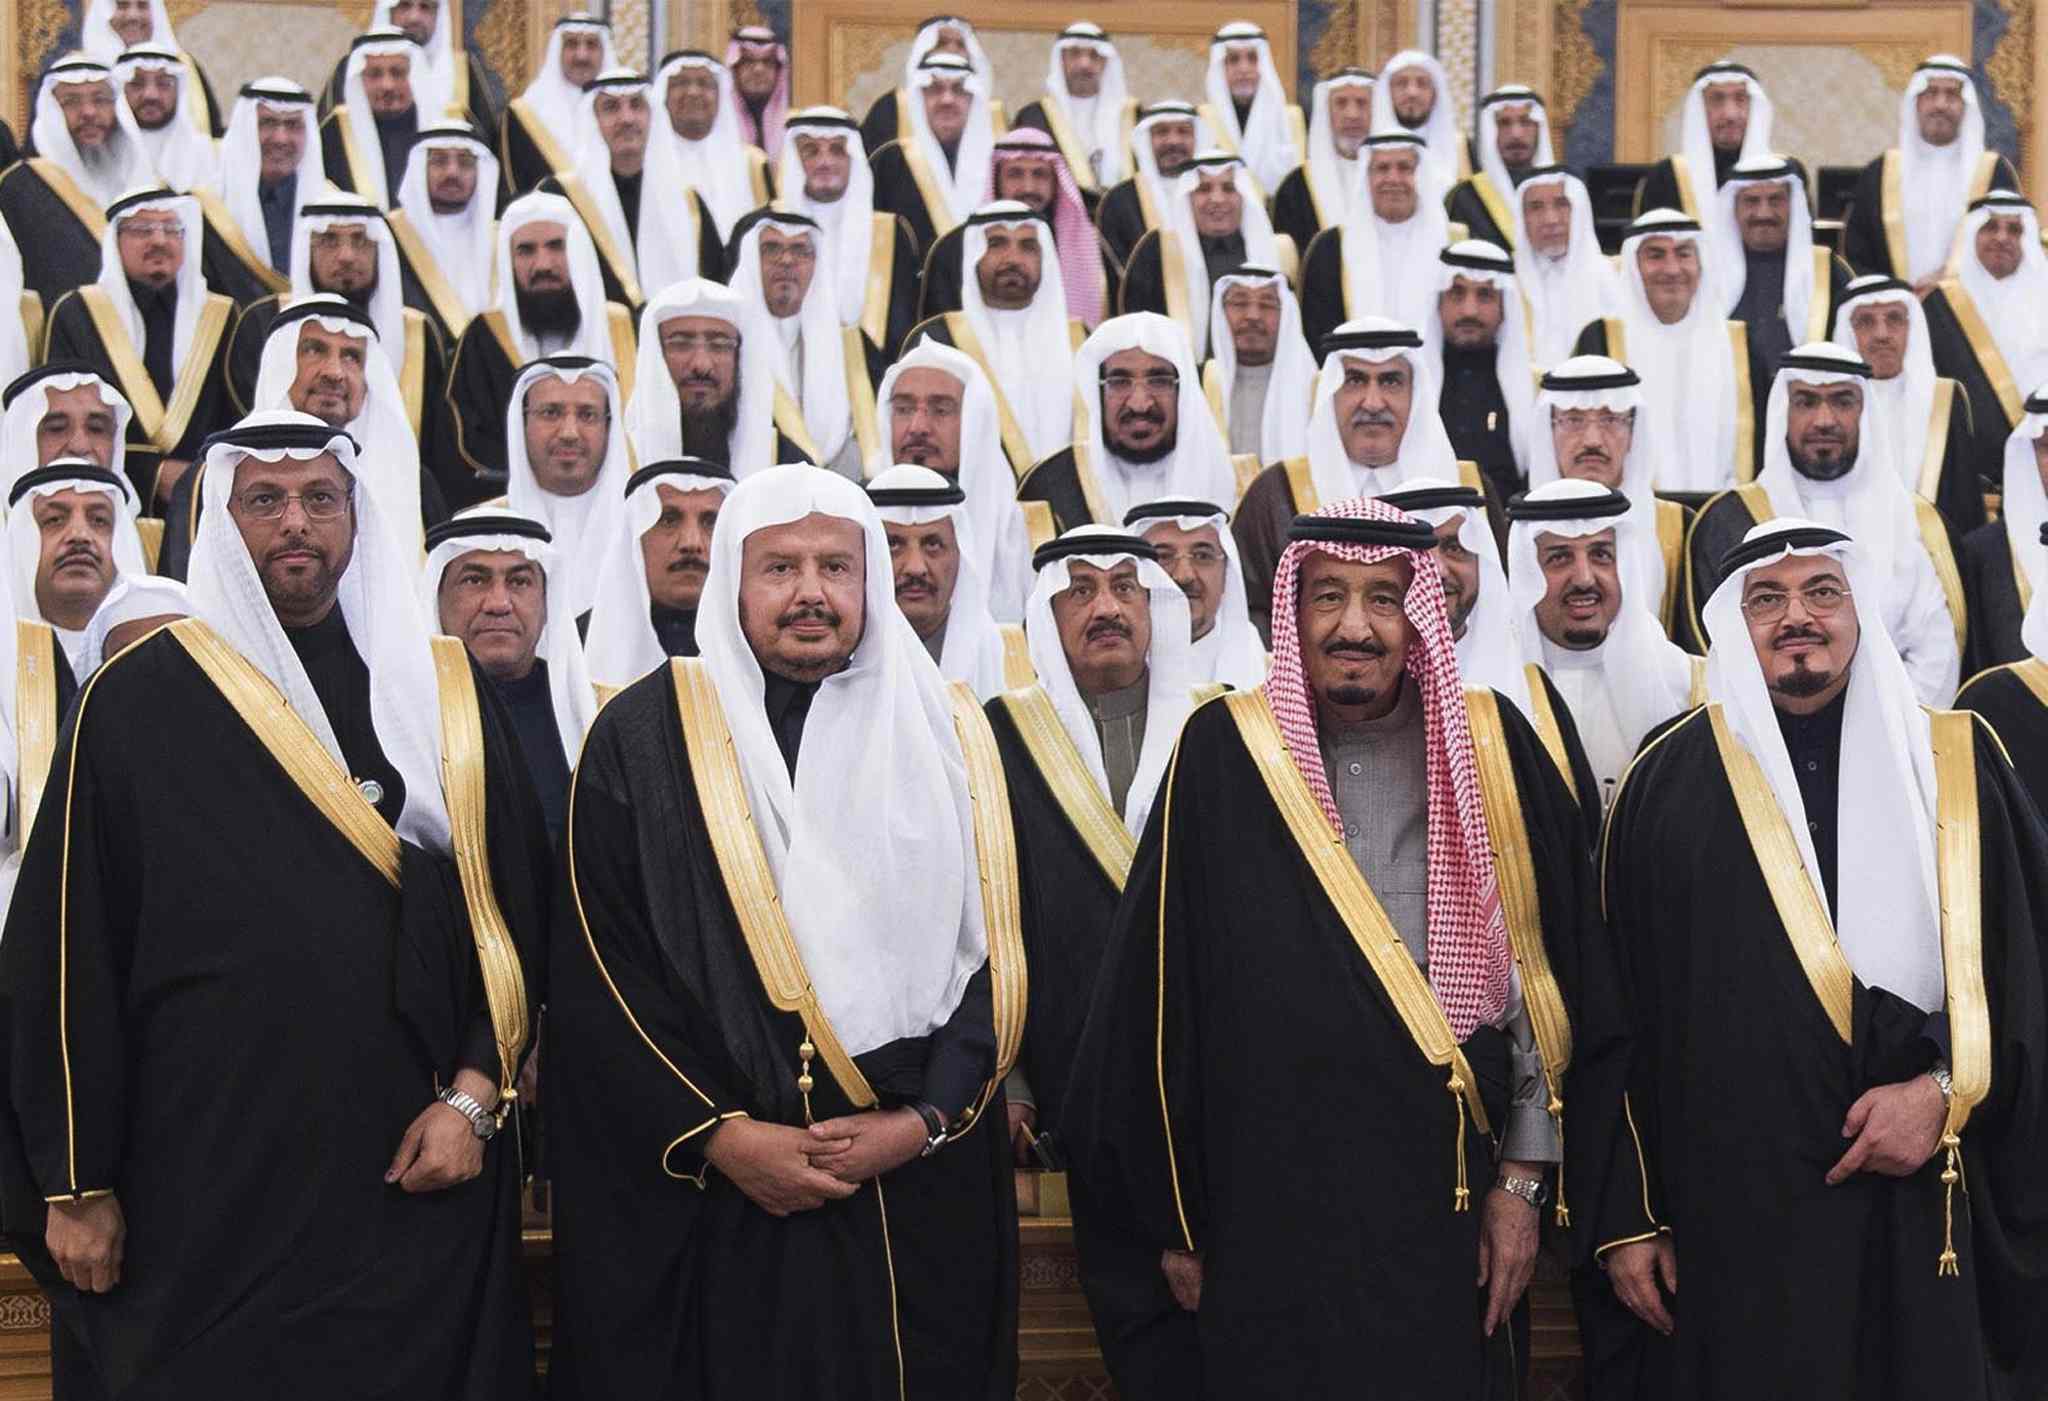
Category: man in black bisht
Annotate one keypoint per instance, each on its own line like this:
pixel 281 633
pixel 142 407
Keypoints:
pixel 1833 941
pixel 2014 698
pixel 790 981
pixel 162 993
pixel 1330 1233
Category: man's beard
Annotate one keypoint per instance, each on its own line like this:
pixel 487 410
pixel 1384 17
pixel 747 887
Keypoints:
pixel 707 433
pixel 551 311
pixel 1145 457
pixel 1821 471
pixel 359 298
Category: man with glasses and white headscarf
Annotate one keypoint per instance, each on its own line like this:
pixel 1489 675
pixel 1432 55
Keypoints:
pixel 2004 568
pixel 1726 118
pixel 1196 549
pixel 1771 275
pixel 942 585
pixel 650 575
pixel 1215 224
pixel 650 223
pixel 568 464
pixel 775 258
pixel 269 169
pixel 700 140
pixel 88 155
pixel 537 134
pixel 153 78
pixel 1413 96
pixel 1163 140
pixel 149 326
pixel 1513 140
pixel 1085 109
pixel 1261 372
pixel 109 27
pixel 937 170
pixel 873 269
pixel 1245 92
pixel 705 384
pixel 1371 427
pixel 1985 317
pixel 366 138
pixel 1566 279
pixel 1909 201
pixel 451 80
pixel 1925 417
pixel 1329 186
pixel 444 222
pixel 1140 429
pixel 942 35
pixel 1480 349
pixel 349 766
pixel 1826 460
pixel 1327 876
pixel 1383 264
pixel 824 1075
pixel 1826 893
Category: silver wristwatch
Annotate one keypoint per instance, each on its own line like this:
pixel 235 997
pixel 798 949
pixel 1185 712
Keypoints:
pixel 1938 1073
pixel 1529 1189
pixel 482 1122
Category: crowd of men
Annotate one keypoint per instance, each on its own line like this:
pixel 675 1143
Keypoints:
pixel 763 669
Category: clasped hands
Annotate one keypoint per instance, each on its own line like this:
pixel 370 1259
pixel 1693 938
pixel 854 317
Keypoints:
pixel 784 1170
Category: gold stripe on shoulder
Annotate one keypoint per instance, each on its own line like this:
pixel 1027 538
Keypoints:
pixel 1543 718
pixel 995 854
pixel 1959 873
pixel 1065 772
pixel 191 383
pixel 124 357
pixel 1621 785
pixel 1301 483
pixel 35 718
pixel 1935 452
pixel 1934 539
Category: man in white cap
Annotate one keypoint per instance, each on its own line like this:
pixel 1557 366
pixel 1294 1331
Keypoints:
pixel 1163 140
pixel 110 26
pixel 775 274
pixel 1821 890
pixel 1012 321
pixel 2004 569
pixel 1909 201
pixel 1771 275
pixel 935 409
pixel 1586 615
pixel 1513 139
pixel 1349 808
pixel 451 81
pixel 269 169
pixel 1726 118
pixel 759 64
pixel 1413 96
pixel 1215 224
pixel 839 1128
pixel 1260 372
pixel 1383 264
pixel 549 301
pixel 1370 429
pixel 936 170
pixel 1085 108
pixel 2013 695
pixel 537 134
pixel 1329 187
pixel 941 580
pixel 1566 279
pixel 365 139
pixel 1085 751
pixel 873 267
pixel 88 154
pixel 1699 381
pixel 1194 546
pixel 488 580
pixel 1985 318
pixel 1140 429
pixel 1924 416
pixel 697 136
pixel 71 534
pixel 350 768
pixel 445 224
pixel 650 222
pixel 1826 460
pixel 153 77
pixel 1588 424
pixel 1479 347
pixel 149 326
pixel 650 577
pixel 1245 93
pixel 888 119
pixel 705 385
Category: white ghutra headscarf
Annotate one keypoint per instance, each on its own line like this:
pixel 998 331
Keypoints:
pixel 183 155
pixel 1029 348
pixel 848 222
pixel 1443 140
pixel 622 645
pixel 362 122
pixel 1568 292
pixel 582 524
pixel 1496 169
pixel 240 174
pixel 1902 403
pixel 972 650
pixel 1263 139
pixel 1283 424
pixel 460 243
pixel 2014 308
pixel 126 165
pixel 1490 652
pixel 1230 652
pixel 1690 389
pixel 1199 466
pixel 1099 120
pixel 1936 179
pixel 1425 449
pixel 550 96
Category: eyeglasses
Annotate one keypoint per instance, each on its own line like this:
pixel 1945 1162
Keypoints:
pixel 586 416
pixel 151 228
pixel 319 504
pixel 1601 420
pixel 1200 556
pixel 1769 605
pixel 689 343
pixel 1118 384
pixel 795 251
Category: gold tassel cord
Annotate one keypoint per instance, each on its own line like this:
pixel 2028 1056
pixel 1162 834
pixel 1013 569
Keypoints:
pixel 1461 1199
pixel 804 1082
pixel 1951 1174
pixel 1556 1108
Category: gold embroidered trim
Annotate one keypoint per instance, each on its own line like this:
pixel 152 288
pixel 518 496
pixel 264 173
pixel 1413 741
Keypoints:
pixel 412 375
pixel 1681 175
pixel 1062 132
pixel 1934 539
pixel 935 207
pixel 1891 179
pixel 544 143
pixel 1212 390
pixel 1617 337
pixel 623 262
pixel 1496 209
pixel 1172 278
pixel 83 206
pixel 1065 772
pixel 874 307
pixel 1084 477
pixel 35 718
pixel 1016 447
pixel 164 426
pixel 625 347
pixel 150 529
pixel 1018 671
pixel 789 422
pixel 1989 358
pixel 1745 403
pixel 1301 483
pixel 1935 452
pixel 222 223
pixel 995 852
pixel 1959 871
pixel 1671 545
pixel 1039 522
pixel 1817 303
pixel 1543 717
pixel 1180 1209
pixel 860 398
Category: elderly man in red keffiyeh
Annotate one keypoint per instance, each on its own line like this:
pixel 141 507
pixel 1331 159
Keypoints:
pixel 1325 1070
pixel 1026 165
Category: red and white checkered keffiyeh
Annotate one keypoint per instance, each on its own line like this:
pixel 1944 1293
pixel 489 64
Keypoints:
pixel 1072 230
pixel 1469 962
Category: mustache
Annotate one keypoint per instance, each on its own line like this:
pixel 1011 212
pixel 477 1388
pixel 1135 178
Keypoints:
pixel 1592 452
pixel 1382 418
pixel 809 613
pixel 1789 636
pixel 690 562
pixel 1468 323
pixel 1355 647
pixel 84 551
pixel 546 277
pixel 1108 627
pixel 1157 416
pixel 296 545
pixel 1585 593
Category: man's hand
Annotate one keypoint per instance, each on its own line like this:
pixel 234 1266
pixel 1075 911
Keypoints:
pixel 1508 1228
pixel 86 1239
pixel 441 1148
pixel 867 1144
pixel 1635 1270
pixel 1183 1271
pixel 773 1164
pixel 1023 1119
pixel 1896 1128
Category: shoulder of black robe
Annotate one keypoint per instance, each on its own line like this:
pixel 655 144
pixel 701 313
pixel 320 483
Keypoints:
pixel 1585 788
pixel 483 112
pixel 1322 288
pixel 334 151
pixel 58 252
pixel 1294 208
pixel 1959 492
pixel 1720 997
pixel 882 124
pixel 1228 972
pixel 1956 358
pixel 1260 527
pixel 1031 114
pixel 1464 206
pixel 1144 283
pixel 660 1031
pixel 1993 594
pixel 906 289
pixel 1592 339
pixel 1120 219
pixel 932 328
pixel 614 289
pixel 330 96
pixel 896 192
pixel 10 149
pixel 1863 240
pixel 224 270
pixel 1658 189
pixel 1717 529
pixel 375 983
pixel 940 283
pixel 2018 713
pixel 521 164
pixel 217 122
pixel 245 348
pixel 1055 482
pixel 480 380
